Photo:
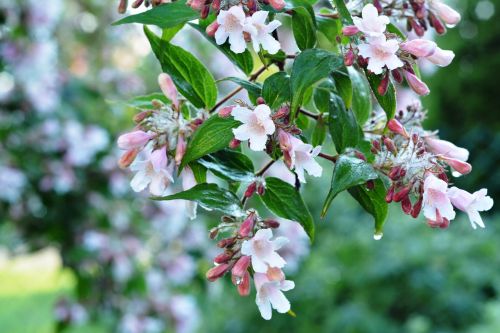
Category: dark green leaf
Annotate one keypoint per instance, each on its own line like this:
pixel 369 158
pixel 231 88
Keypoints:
pixel 164 16
pixel 344 86
pixel 285 201
pixel 276 89
pixel 373 201
pixel 388 101
pixel 309 67
pixel 230 165
pixel 243 60
pixel 319 132
pixel 322 96
pixel 303 28
pixel 190 76
pixel 213 135
pixel 343 11
pixel 361 97
pixel 348 172
pixel 210 197
pixel 145 101
pixel 331 29
pixel 343 126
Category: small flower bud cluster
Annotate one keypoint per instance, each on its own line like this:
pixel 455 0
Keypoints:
pixel 123 4
pixel 250 252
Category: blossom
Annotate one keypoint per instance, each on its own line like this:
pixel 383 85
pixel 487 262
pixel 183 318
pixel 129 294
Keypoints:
pixel 232 25
pixel 257 125
pixel 168 88
pixel 263 251
pixel 371 24
pixel 446 148
pixel 261 32
pixel 153 172
pixel 471 204
pixel 135 139
pixel 302 158
pixel 416 84
pixel 449 15
pixel 419 47
pixel 441 57
pixel 436 203
pixel 270 295
pixel 381 52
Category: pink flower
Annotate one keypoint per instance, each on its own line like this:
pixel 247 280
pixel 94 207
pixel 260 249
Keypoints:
pixel 232 25
pixel 350 30
pixel 446 13
pixel 257 125
pixel 471 204
pixel 446 148
pixel 371 24
pixel 396 127
pixel 263 250
pixel 416 84
pixel 436 204
pixel 153 172
pixel 270 295
pixel 419 47
pixel 302 159
pixel 135 139
pixel 261 32
pixel 277 4
pixel 457 165
pixel 441 57
pixel 168 88
pixel 380 53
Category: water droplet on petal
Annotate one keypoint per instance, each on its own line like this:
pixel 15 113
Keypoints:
pixel 378 236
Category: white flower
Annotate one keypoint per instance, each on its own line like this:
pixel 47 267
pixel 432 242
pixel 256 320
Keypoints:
pixel 153 172
pixel 471 204
pixel 261 32
pixel 263 251
pixel 257 125
pixel 232 25
pixel 270 294
pixel 302 158
pixel 381 52
pixel 371 24
pixel 436 203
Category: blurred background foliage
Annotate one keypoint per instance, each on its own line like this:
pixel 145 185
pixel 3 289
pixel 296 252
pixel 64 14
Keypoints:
pixel 415 279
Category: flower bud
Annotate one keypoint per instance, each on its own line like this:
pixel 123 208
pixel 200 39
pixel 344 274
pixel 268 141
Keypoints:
pixel 216 5
pixel 419 47
pixel 235 143
pixel 196 4
pixel 127 158
pixel 168 88
pixel 394 173
pixel 446 148
pixel 272 224
pixel 277 4
pixel 458 165
pixel 204 12
pixel 416 84
pixel 223 258
pixel 389 144
pixel 360 155
pixel 226 242
pixel 349 58
pixel 390 194
pixel 384 84
pixel 241 266
pixel 350 30
pixel 281 113
pixel 396 127
pixel 376 145
pixel 250 190
pixel 406 205
pixel 213 233
pixel 243 284
pixel 415 211
pixel 135 139
pixel 437 24
pixel 261 189
pixel 260 100
pixel 137 3
pixel 443 177
pixel 419 30
pixel 247 226
pixel 396 74
pixel 122 6
pixel 226 111
pixel 370 185
pixel 212 28
pixel 378 5
pixel 180 150
pixel 216 272
pixel 441 57
pixel 138 118
pixel 252 6
pixel 399 196
pixel 446 13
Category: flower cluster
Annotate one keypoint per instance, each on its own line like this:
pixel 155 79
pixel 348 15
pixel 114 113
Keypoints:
pixel 383 52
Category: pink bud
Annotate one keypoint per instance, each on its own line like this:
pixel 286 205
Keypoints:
pixel 235 143
pixel 419 47
pixel 127 158
pixel 250 190
pixel 384 84
pixel 446 13
pixel 180 150
pixel 135 139
pixel 138 118
pixel 216 5
pixel 260 100
pixel 241 266
pixel 397 128
pixel 122 6
pixel 277 4
pixel 350 30
pixel 226 111
pixel 390 194
pixel 446 148
pixel 272 224
pixel 441 57
pixel 419 30
pixel 416 84
pixel 402 194
pixel 406 205
pixel 349 58
pixel 216 272
pixel 158 158
pixel 417 207
pixel 247 226
pixel 243 284
pixel 168 88
pixel 389 144
pixel 212 28
pixel 437 24
pixel 396 74
pixel 226 242
pixel 458 165
pixel 223 258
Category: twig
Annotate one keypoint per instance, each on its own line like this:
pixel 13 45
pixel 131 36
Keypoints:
pixel 329 157
pixel 309 114
pixel 265 168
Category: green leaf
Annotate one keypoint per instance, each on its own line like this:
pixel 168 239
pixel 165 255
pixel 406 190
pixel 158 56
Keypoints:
pixel 343 11
pixel 373 201
pixel 344 86
pixel 190 76
pixel 348 172
pixel 331 29
pixel 361 97
pixel 319 132
pixel 169 33
pixel 395 30
pixel 209 197
pixel 229 165
pixel 285 201
pixel 243 60
pixel 303 28
pixel 253 89
pixel 213 135
pixel 343 126
pixel 309 67
pixel 276 89
pixel 199 172
pixel 388 101
pixel 145 101
pixel 322 96
pixel 165 16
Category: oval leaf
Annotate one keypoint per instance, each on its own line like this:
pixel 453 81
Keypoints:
pixel 276 89
pixel 303 28
pixel 344 86
pixel 361 97
pixel 373 201
pixel 343 126
pixel 285 201
pixel 230 165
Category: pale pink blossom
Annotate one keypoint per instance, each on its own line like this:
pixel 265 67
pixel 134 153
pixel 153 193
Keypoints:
pixel 132 140
pixel 449 15
pixel 257 125
pixel 263 250
pixel 153 172
pixel 471 203
pixel 457 165
pixel 371 24
pixel 302 159
pixel 232 25
pixel 350 30
pixel 446 148
pixel 270 295
pixel 380 53
pixel 168 88
pixel 416 84
pixel 261 32
pixel 436 203
pixel 419 47
pixel 441 57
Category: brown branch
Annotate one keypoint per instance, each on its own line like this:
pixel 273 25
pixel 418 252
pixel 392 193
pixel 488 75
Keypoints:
pixel 309 114
pixel 265 168
pixel 329 157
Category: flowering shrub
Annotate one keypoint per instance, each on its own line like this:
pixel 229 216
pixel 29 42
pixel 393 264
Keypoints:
pixel 381 154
